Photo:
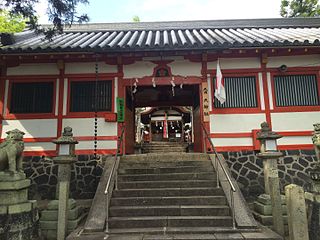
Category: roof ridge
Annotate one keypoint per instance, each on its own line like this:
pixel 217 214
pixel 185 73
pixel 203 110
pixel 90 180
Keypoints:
pixel 196 24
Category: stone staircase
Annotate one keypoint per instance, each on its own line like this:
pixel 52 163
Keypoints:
pixel 170 195
pixel 175 193
pixel 163 147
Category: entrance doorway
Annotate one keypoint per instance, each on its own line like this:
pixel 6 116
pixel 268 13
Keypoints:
pixel 164 124
pixel 163 113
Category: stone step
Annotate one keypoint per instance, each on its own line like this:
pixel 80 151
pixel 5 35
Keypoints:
pixel 155 164
pixel 175 230
pixel 170 221
pixel 160 170
pixel 173 157
pixel 163 201
pixel 170 210
pixel 168 176
pixel 163 146
pixel 164 143
pixel 163 192
pixel 163 150
pixel 167 184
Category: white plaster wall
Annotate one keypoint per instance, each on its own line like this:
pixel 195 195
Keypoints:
pixel 270 90
pixel 57 97
pixel 295 140
pixel 74 68
pixel 185 68
pixel 262 103
pixel 85 127
pixel 295 121
pixel 6 94
pixel 230 142
pixel 39 146
pixel 294 61
pixel 85 145
pixel 34 69
pixel 65 96
pixel 235 63
pixel 34 128
pixel 138 69
pixel 235 123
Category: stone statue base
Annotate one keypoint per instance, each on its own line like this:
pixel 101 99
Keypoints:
pixel 19 216
pixel 49 218
pixel 263 211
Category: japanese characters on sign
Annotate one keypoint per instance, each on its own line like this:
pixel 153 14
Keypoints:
pixel 205 102
pixel 120 109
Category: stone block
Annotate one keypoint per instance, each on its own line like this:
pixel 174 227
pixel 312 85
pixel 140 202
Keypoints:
pixel 11 177
pixel 13 196
pixel 54 204
pixel 266 200
pixel 267 220
pixel 19 226
pixel 53 225
pixel 19 208
pixel 3 210
pixel 51 234
pixel 52 215
pixel 267 209
pixel 14 185
pixel 298 222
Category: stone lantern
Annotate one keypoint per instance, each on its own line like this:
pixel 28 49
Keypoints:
pixel 268 151
pixel 269 154
pixel 66 157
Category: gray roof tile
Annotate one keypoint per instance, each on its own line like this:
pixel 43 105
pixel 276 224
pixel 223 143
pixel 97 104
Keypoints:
pixel 181 35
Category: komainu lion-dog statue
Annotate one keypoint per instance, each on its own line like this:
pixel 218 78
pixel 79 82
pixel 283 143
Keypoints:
pixel 11 152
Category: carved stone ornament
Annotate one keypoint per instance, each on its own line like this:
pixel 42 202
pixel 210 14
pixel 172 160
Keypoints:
pixel 266 132
pixel 316 135
pixel 67 137
pixel 11 152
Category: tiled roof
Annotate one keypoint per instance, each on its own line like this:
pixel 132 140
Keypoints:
pixel 183 35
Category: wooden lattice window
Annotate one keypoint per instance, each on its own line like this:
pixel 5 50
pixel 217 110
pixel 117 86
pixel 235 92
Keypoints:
pixel 84 96
pixel 35 97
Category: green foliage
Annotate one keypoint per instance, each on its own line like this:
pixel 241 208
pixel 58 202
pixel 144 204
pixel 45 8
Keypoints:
pixel 11 23
pixel 61 13
pixel 300 8
pixel 136 19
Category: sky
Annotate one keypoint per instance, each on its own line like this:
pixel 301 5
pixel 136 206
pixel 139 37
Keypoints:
pixel 173 10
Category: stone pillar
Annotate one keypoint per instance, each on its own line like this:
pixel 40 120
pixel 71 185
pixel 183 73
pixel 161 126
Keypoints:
pixel 268 165
pixel 18 216
pixel 297 215
pixel 270 154
pixel 64 174
pixel 275 196
pixel 66 145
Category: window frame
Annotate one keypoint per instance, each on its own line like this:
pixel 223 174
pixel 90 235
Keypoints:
pixel 31 79
pixel 293 108
pixel 89 79
pixel 237 110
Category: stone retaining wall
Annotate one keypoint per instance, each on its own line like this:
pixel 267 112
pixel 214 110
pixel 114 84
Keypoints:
pixel 85 176
pixel 246 168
